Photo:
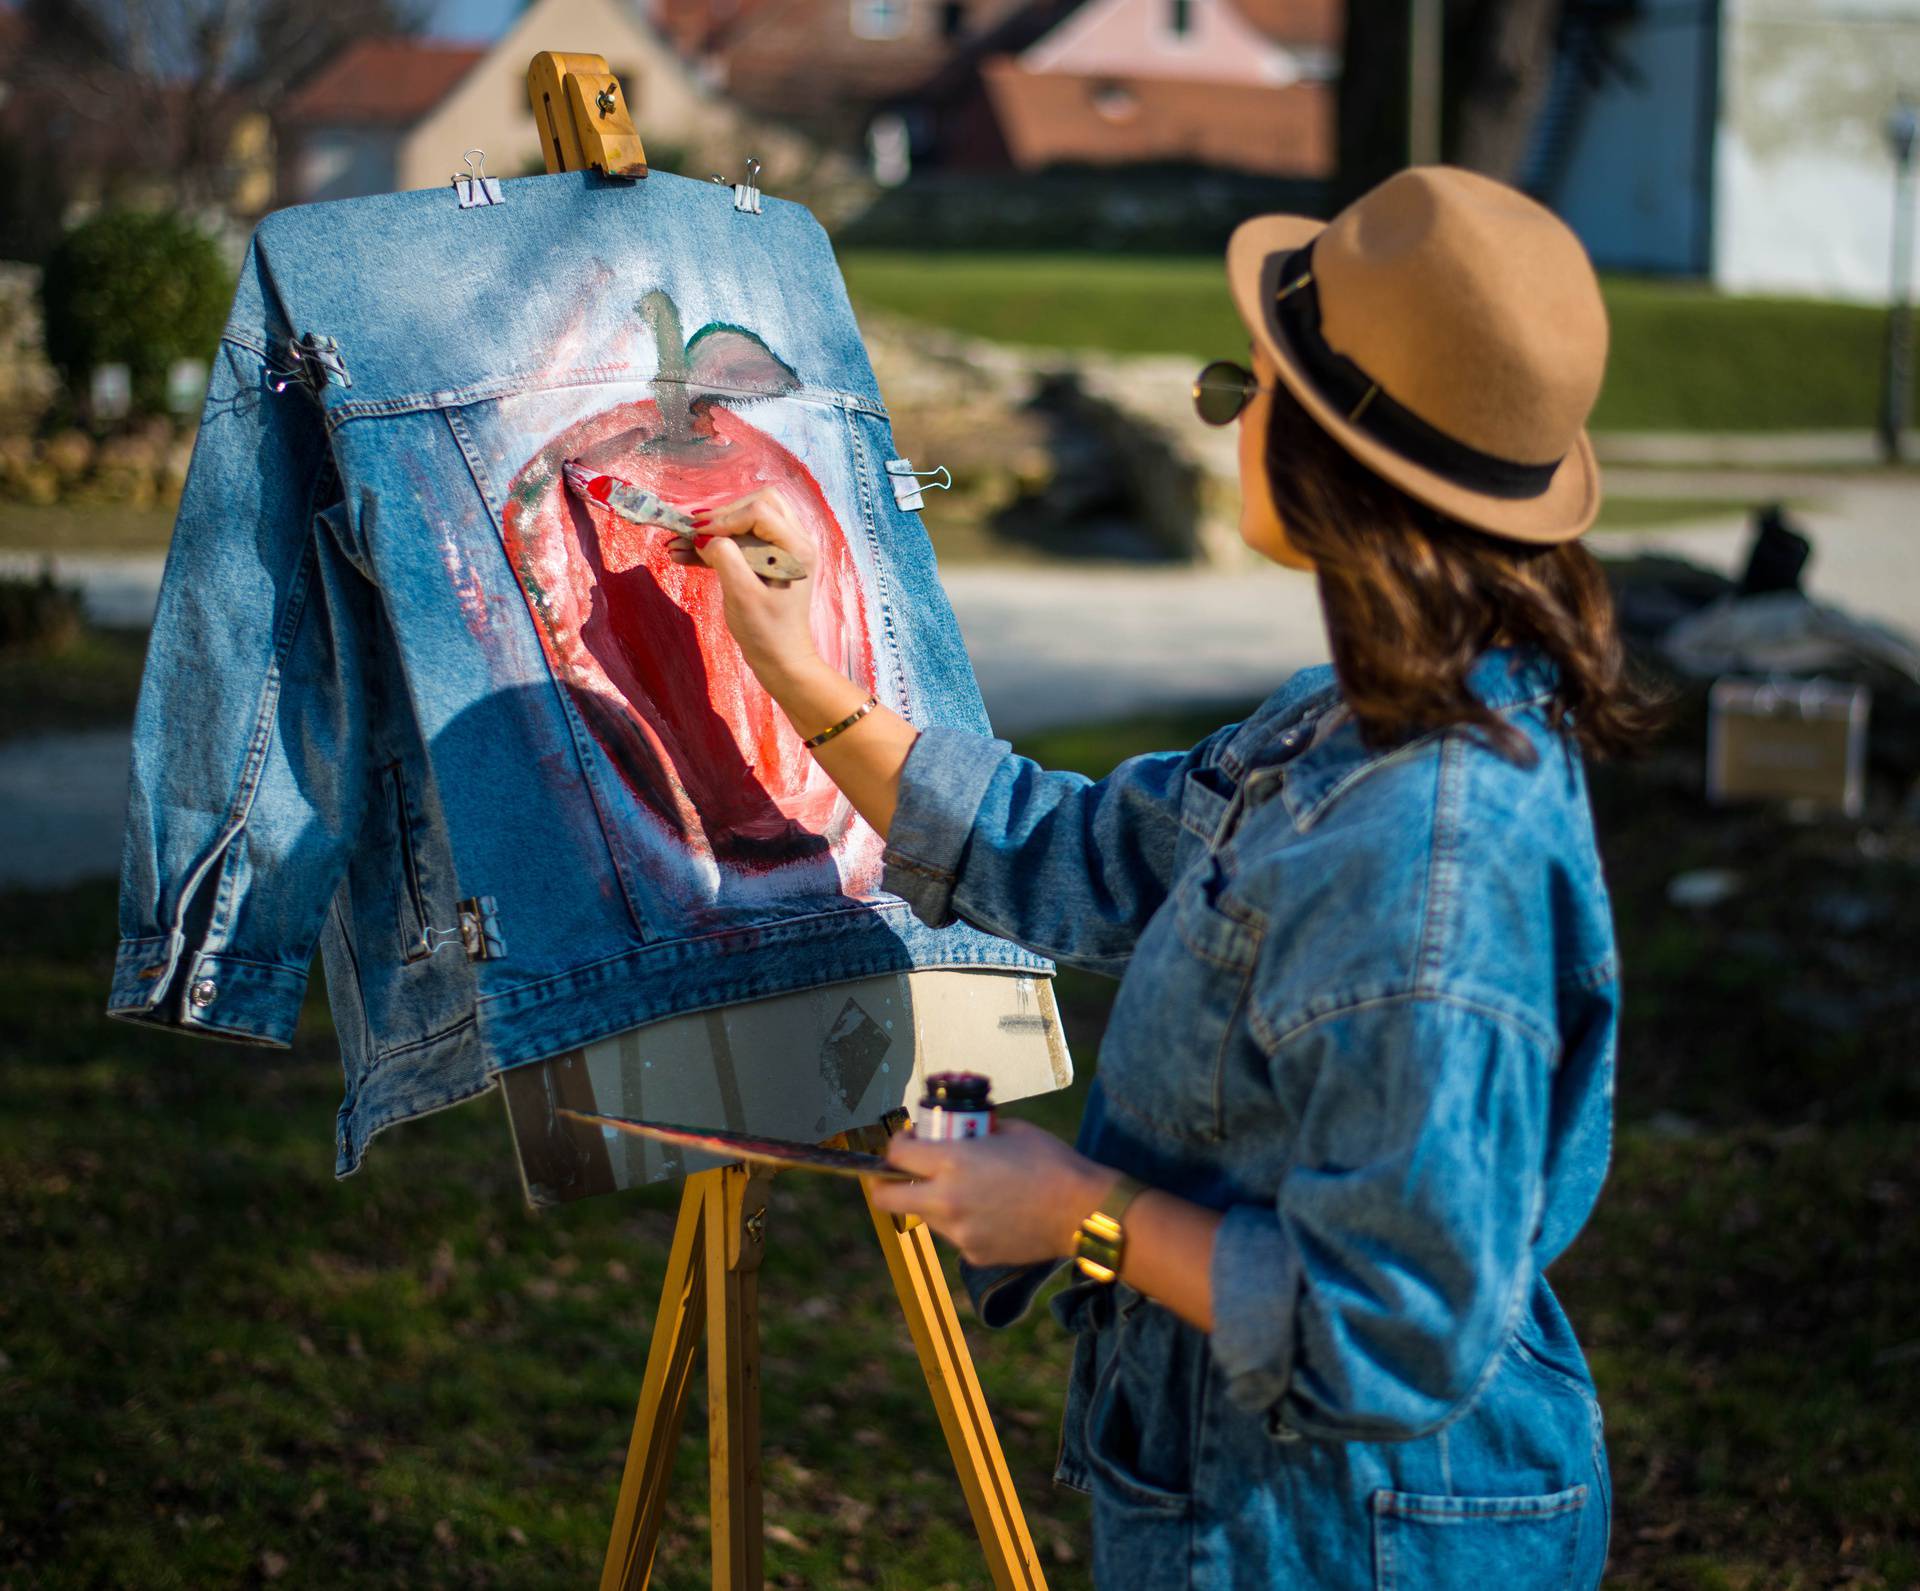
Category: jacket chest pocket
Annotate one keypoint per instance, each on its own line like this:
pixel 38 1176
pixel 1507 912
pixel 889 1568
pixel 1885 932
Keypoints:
pixel 1179 1023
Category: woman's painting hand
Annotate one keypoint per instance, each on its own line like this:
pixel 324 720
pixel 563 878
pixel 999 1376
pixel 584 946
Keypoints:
pixel 1013 1197
pixel 769 621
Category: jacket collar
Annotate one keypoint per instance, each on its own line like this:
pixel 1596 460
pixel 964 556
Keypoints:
pixel 1504 678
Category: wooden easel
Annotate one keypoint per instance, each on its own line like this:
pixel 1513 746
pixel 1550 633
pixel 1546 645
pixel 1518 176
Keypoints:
pixel 712 1279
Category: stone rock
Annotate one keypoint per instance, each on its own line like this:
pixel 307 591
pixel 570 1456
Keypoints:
pixel 69 454
pixel 1066 440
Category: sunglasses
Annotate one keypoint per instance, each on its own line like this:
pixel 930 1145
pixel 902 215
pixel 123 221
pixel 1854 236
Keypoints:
pixel 1222 390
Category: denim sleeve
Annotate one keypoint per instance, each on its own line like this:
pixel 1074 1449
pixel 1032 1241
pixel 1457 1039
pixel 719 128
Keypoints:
pixel 1371 1300
pixel 249 738
pixel 1067 866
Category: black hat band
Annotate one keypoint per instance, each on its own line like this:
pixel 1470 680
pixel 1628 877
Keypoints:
pixel 1369 408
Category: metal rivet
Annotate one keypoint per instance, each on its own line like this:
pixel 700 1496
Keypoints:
pixel 202 993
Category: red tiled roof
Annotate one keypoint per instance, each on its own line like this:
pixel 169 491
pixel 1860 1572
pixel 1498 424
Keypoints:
pixel 1296 21
pixel 393 81
pixel 1054 117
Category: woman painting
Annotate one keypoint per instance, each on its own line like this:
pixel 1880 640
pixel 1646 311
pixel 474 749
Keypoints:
pixel 1355 1094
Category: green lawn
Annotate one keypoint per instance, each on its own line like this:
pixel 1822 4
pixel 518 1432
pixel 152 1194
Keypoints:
pixel 1683 357
pixel 220 1367
pixel 84 527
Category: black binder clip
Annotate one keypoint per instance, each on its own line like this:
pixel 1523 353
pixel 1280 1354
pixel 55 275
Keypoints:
pixel 316 363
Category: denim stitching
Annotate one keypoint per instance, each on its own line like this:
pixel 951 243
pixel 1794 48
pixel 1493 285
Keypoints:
pixel 1405 1505
pixel 599 971
pixel 516 385
pixel 577 731
pixel 1540 1040
pixel 870 510
pixel 1442 867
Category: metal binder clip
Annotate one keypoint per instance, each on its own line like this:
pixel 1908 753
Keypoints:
pixel 476 187
pixel 746 195
pixel 906 483
pixel 316 362
pixel 478 933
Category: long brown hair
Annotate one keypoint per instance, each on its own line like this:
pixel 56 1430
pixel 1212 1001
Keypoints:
pixel 1412 597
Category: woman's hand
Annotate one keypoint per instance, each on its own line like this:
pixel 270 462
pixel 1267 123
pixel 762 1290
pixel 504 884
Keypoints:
pixel 770 622
pixel 775 634
pixel 1010 1198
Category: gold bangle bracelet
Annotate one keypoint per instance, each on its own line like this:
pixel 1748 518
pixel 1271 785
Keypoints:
pixel 851 719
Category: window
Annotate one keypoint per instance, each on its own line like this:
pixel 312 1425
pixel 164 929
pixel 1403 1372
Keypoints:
pixel 878 19
pixel 1180 17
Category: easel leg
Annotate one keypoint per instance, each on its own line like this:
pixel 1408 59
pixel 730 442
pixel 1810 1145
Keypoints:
pixel 971 1438
pixel 735 1224
pixel 663 1401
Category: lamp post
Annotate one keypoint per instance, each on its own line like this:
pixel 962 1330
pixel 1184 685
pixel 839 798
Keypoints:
pixel 1902 126
pixel 1425 24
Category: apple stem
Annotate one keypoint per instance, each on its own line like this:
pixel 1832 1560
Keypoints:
pixel 670 383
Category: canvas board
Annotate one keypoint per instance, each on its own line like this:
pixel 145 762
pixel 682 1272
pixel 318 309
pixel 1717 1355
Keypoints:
pixel 803 1066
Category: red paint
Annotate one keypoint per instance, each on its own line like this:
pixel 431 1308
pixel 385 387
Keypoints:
pixel 641 641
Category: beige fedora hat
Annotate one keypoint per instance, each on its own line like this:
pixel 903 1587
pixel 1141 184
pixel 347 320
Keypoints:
pixel 1448 332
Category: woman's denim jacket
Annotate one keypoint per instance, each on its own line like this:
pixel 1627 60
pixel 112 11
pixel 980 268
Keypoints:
pixel 1367 1011
pixel 410 696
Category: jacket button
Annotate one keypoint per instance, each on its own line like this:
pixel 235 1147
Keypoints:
pixel 202 993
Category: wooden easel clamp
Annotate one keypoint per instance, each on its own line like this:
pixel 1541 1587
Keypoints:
pixel 582 115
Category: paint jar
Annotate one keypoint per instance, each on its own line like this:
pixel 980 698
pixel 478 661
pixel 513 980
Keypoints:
pixel 955 1105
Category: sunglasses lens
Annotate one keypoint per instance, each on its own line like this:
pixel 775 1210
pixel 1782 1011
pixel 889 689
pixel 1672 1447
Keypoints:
pixel 1220 391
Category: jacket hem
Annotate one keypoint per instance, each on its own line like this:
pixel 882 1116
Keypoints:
pixel 536 1021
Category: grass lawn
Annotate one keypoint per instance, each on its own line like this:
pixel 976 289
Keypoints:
pixel 1683 357
pixel 84 527
pixel 220 1367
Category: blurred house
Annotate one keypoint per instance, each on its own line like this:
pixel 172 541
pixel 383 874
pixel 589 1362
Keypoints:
pixel 1241 85
pixel 1739 140
pixel 395 113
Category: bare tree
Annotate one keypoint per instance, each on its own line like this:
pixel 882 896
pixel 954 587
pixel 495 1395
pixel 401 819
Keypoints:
pixel 181 71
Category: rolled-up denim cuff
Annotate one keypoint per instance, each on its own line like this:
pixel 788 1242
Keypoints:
pixel 221 996
pixel 1001 1294
pixel 942 783
pixel 1256 1281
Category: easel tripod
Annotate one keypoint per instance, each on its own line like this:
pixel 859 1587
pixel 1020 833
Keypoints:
pixel 712 1279
pixel 712 1282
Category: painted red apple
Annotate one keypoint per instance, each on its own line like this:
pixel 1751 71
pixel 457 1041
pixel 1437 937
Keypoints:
pixel 641 642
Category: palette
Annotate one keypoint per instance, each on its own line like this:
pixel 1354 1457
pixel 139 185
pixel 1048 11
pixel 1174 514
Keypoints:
pixel 747 1146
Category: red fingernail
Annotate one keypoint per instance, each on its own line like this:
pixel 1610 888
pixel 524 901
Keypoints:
pixel 701 541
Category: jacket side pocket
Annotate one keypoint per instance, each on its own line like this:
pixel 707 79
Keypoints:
pixel 1141 1419
pixel 1515 1543
pixel 409 895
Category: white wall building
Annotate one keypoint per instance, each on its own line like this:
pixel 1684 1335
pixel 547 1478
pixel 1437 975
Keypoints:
pixel 1741 140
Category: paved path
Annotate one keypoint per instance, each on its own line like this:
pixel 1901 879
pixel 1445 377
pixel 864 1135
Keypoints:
pixel 1053 645
pixel 119 590
pixel 63 805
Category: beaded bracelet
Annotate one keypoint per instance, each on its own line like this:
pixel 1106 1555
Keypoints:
pixel 851 719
